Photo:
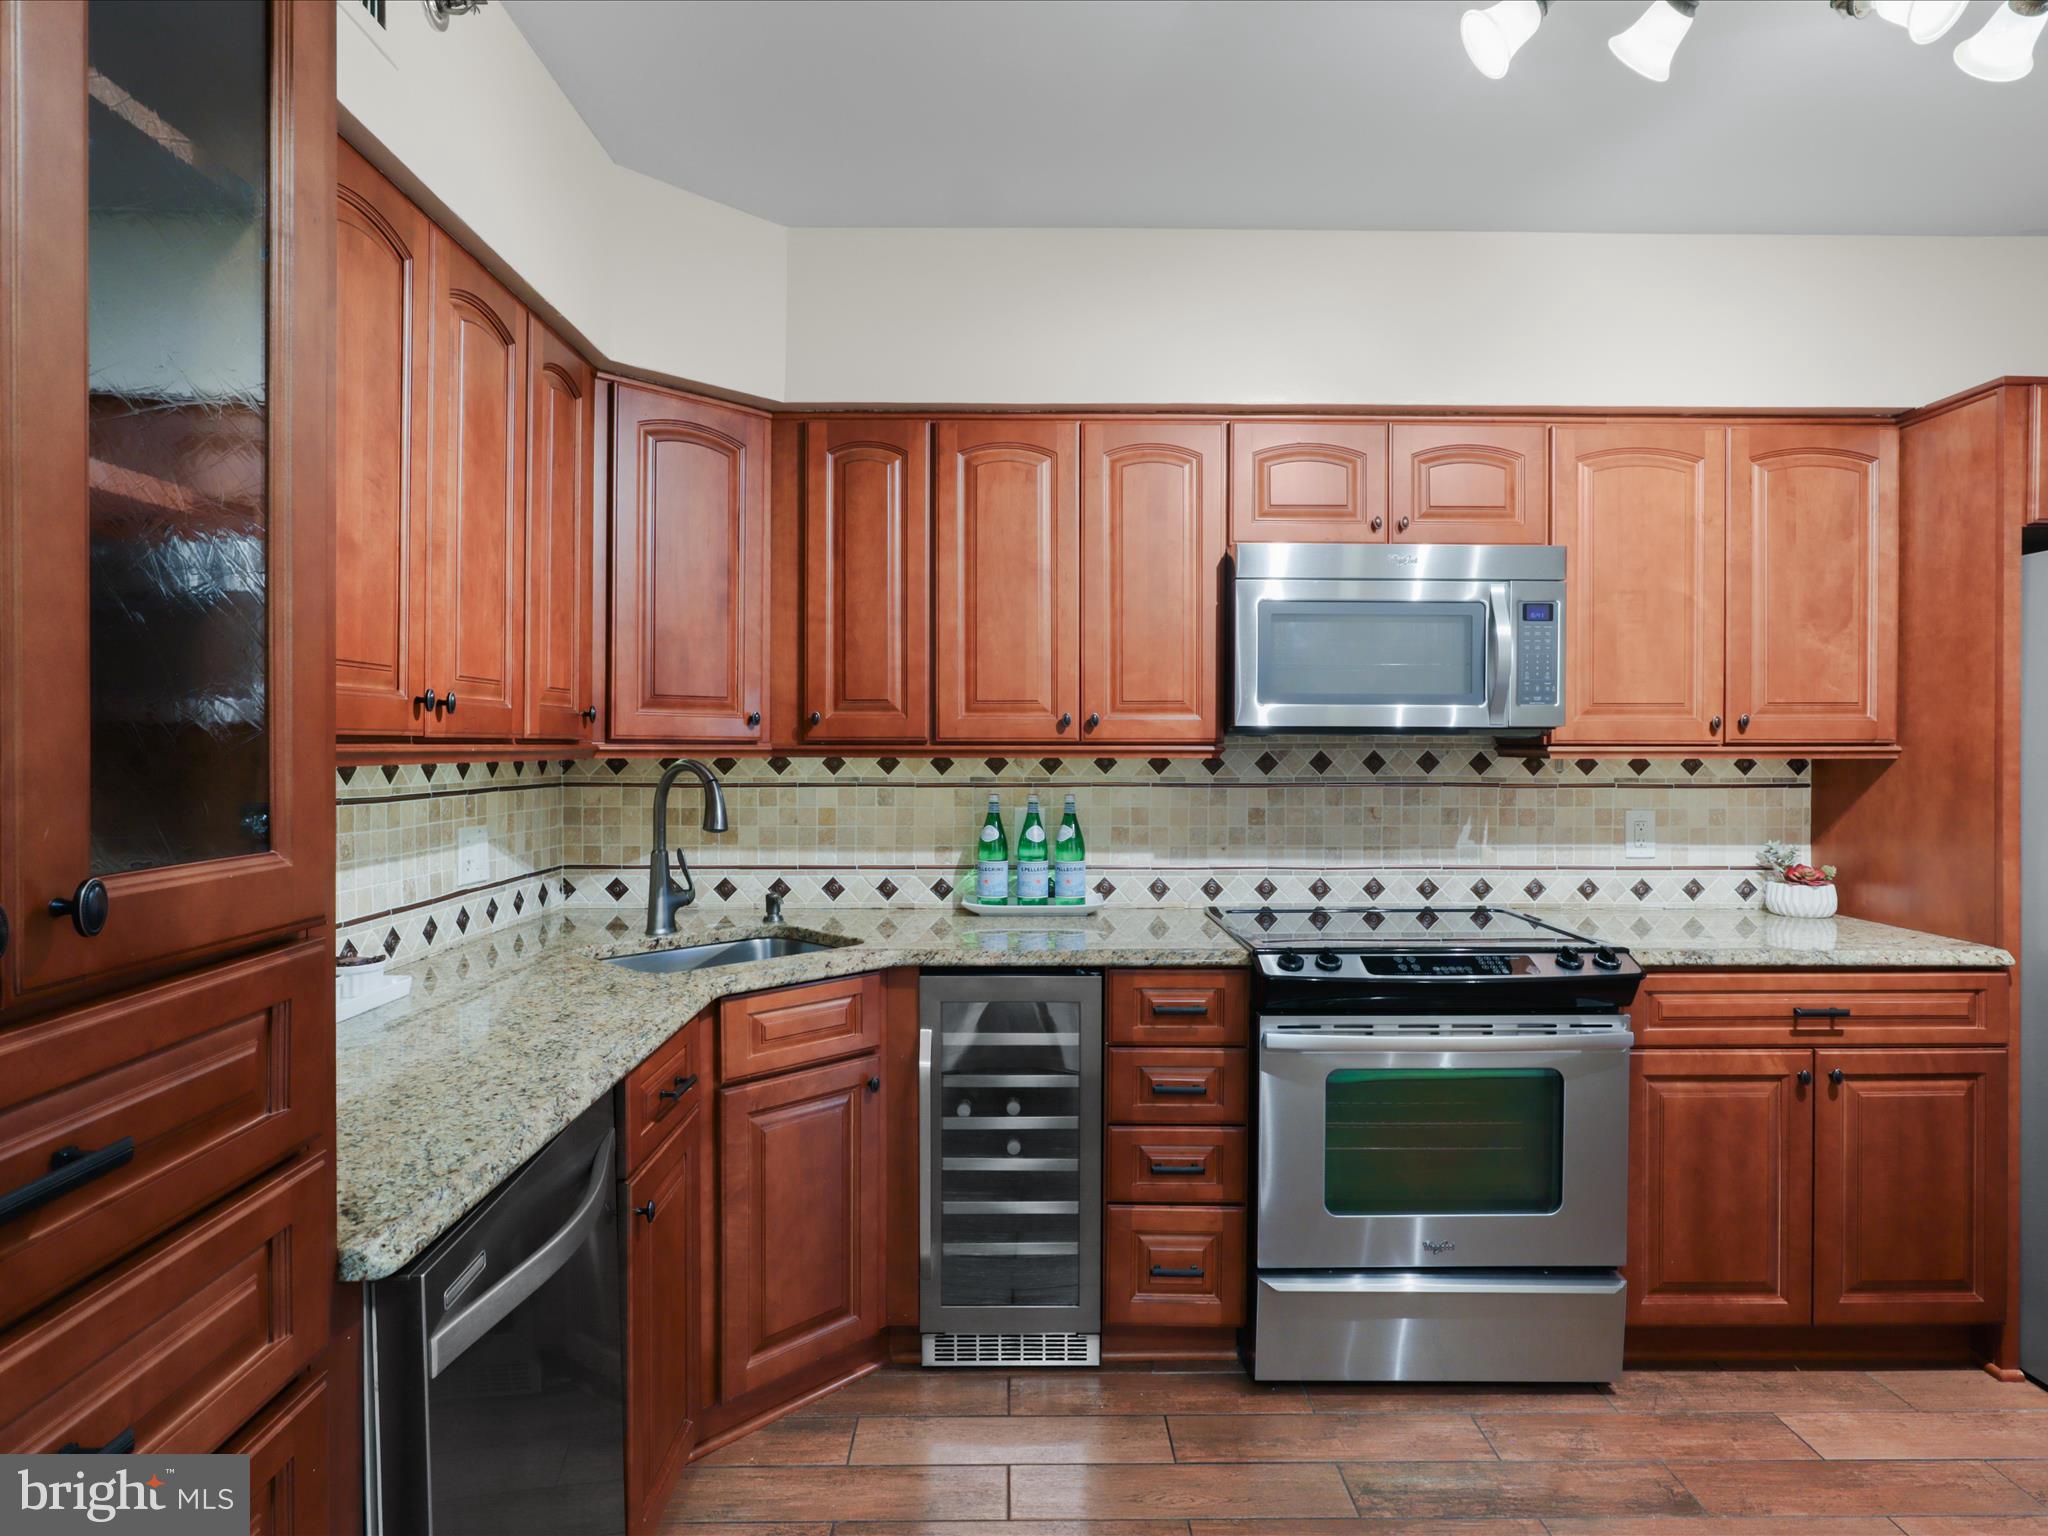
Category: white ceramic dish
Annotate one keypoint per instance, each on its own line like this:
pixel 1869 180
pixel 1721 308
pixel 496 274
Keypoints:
pixel 1049 909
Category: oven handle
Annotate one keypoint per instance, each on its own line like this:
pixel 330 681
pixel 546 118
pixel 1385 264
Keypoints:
pixel 1323 1042
pixel 927 1149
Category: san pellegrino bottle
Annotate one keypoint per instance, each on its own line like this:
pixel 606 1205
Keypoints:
pixel 1069 861
pixel 1034 867
pixel 992 859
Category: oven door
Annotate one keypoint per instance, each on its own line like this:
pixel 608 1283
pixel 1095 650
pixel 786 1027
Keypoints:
pixel 1385 1149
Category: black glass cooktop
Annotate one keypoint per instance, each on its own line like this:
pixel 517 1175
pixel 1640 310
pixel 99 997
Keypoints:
pixel 1412 928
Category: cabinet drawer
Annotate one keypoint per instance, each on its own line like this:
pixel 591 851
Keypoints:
pixel 1179 1007
pixel 289 1460
pixel 798 1026
pixel 180 1345
pixel 1173 1265
pixel 1174 1165
pixel 210 1080
pixel 676 1075
pixel 1155 1087
pixel 1852 1008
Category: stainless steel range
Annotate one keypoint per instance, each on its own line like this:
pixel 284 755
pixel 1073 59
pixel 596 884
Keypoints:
pixel 1442 1145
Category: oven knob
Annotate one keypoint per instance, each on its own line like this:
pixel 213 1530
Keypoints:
pixel 1329 960
pixel 1568 960
pixel 1288 961
pixel 1606 959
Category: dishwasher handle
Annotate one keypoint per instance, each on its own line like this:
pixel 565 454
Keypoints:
pixel 447 1343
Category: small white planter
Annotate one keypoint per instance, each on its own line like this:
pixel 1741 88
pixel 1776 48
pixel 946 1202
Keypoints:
pixel 1799 900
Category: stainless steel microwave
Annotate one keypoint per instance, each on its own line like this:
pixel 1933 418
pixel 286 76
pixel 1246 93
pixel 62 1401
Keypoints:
pixel 1399 637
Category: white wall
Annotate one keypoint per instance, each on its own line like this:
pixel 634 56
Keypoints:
pixel 1260 317
pixel 657 279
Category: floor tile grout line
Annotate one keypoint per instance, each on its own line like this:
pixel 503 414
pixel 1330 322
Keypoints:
pixel 1817 1451
pixel 2000 1470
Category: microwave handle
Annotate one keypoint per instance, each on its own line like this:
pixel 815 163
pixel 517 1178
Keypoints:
pixel 1500 652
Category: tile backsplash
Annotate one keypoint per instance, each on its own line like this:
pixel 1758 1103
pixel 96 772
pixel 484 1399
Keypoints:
pixel 1287 820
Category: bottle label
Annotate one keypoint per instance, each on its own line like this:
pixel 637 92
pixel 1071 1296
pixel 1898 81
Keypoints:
pixel 1034 878
pixel 992 880
pixel 1070 882
pixel 989 834
pixel 1034 834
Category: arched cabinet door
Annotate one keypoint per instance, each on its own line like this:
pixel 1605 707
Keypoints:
pixel 1308 482
pixel 689 568
pixel 1469 482
pixel 559 391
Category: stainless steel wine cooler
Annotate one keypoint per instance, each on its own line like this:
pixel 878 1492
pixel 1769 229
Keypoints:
pixel 1009 1072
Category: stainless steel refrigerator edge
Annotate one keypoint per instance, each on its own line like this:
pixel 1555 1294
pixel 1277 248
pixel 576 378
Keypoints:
pixel 2034 964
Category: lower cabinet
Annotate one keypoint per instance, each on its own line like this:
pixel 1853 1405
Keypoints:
pixel 1827 1187
pixel 801 1261
pixel 291 1469
pixel 1173 1265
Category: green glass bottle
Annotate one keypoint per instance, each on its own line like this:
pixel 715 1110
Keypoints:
pixel 1069 861
pixel 992 859
pixel 1034 866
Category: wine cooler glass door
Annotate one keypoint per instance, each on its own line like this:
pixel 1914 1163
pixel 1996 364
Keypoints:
pixel 1011 1094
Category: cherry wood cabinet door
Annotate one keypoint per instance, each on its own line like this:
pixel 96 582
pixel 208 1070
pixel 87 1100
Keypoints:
pixel 1152 537
pixel 689 568
pixel 476 524
pixel 560 387
pixel 1008 582
pixel 1641 512
pixel 1910 1186
pixel 2036 405
pixel 1471 482
pixel 800 1220
pixel 1308 482
pixel 382 318
pixel 867 581
pixel 1813 584
pixel 292 1475
pixel 669 1307
pixel 1720 1188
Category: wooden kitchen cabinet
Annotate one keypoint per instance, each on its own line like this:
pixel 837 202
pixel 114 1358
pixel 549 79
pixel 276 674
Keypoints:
pixel 2036 406
pixel 1720 1222
pixel 1007 583
pixel 689 587
pixel 293 1477
pixel 1308 482
pixel 1469 482
pixel 1910 1186
pixel 1152 542
pixel 1640 511
pixel 1173 1266
pixel 866 581
pixel 670 1306
pixel 800 1221
pixel 1813 585
pixel 560 389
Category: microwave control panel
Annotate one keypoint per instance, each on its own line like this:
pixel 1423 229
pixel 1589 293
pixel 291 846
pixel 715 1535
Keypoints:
pixel 1536 650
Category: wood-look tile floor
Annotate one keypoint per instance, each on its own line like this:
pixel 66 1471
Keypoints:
pixel 904 1452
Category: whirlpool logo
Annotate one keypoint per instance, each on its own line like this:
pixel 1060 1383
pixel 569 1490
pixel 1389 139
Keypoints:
pixel 1434 1247
pixel 161 1495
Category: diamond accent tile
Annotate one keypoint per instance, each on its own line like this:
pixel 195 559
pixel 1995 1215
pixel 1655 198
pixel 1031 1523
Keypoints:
pixel 832 765
pixel 1532 766
pixel 427 773
pixel 1482 919
pixel 1212 765
pixel 996 764
pixel 942 888
pixel 430 930
pixel 887 887
pixel 462 920
pixel 1589 888
pixel 542 893
pixel 1586 764
pixel 390 771
pixel 1104 889
pixel 942 765
pixel 1745 766
pixel 1373 919
pixel 568 887
pixel 1693 889
pixel 1428 762
pixel 1374 762
pixel 348 951
pixel 518 901
pixel 1265 888
pixel 725 764
pixel 1159 889
pixel 1481 890
pixel 1212 888
pixel 1745 890
pixel 778 764
pixel 1264 919
pixel 616 764
pixel 1159 764
pixel 833 889
pixel 1373 888
pixel 1479 762
pixel 1319 887
pixel 491 910
pixel 1692 766
pixel 778 886
pixel 1321 762
pixel 1318 919
pixel 888 764
pixel 1533 889
pixel 345 773
pixel 1640 890
pixel 462 770
pixel 726 890
pixel 391 943
pixel 616 888
pixel 1105 764
pixel 1798 764
pixel 1267 762
pixel 1426 919
pixel 1639 766
pixel 1049 764
pixel 1426 889
pixel 617 928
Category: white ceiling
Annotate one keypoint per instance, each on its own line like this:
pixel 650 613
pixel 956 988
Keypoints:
pixel 1781 116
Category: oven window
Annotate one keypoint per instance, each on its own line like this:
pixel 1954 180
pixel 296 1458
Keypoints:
pixel 1363 652
pixel 1443 1142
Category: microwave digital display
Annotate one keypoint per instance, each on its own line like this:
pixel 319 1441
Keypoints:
pixel 1538 613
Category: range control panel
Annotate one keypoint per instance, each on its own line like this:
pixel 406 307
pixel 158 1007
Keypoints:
pixel 1537 625
pixel 1443 965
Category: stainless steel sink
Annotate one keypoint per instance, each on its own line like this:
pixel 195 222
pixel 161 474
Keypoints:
pixel 698 957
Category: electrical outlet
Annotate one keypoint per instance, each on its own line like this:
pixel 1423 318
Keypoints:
pixel 472 857
pixel 1640 838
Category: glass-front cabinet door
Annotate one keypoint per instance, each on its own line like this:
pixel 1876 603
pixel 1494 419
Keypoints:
pixel 1011 1094
pixel 168 267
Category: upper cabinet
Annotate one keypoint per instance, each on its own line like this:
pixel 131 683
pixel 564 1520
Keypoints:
pixel 1640 511
pixel 1007 588
pixel 689 568
pixel 1308 482
pixel 2035 398
pixel 560 388
pixel 1152 536
pixel 866 637
pixel 1813 584
pixel 1469 482
pixel 166 689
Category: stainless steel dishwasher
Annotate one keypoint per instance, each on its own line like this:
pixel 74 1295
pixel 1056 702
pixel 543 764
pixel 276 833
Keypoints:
pixel 495 1402
pixel 1010 1192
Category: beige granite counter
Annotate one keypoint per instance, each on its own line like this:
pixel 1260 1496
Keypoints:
pixel 505 1040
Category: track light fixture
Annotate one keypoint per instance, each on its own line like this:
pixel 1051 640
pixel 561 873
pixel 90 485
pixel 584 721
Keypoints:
pixel 1924 20
pixel 1493 35
pixel 438 11
pixel 2004 49
pixel 1648 46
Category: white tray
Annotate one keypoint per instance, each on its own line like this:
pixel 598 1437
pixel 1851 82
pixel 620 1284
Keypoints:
pixel 1049 909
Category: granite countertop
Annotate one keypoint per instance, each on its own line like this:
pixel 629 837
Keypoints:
pixel 504 1041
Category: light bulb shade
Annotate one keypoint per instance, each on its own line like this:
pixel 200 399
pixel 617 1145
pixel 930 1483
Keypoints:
pixel 2004 48
pixel 1493 36
pixel 1647 47
pixel 1924 20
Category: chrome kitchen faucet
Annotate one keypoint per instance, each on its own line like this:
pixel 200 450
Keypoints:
pixel 663 894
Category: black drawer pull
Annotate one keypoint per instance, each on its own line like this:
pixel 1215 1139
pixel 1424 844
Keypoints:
pixel 681 1086
pixel 1835 1075
pixel 69 1169
pixel 1180 1167
pixel 122 1444
pixel 1173 1010
pixel 1820 1013
pixel 1184 1090
pixel 1164 1272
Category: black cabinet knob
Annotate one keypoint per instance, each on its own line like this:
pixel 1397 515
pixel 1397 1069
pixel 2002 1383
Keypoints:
pixel 874 1085
pixel 816 717
pixel 1092 721
pixel 1742 722
pixel 1401 525
pixel 1378 523
pixel 86 906
pixel 448 703
pixel 753 718
pixel 1835 1076
pixel 1065 720
pixel 1803 1077
pixel 1714 726
pixel 589 715
pixel 428 701
pixel 646 1210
